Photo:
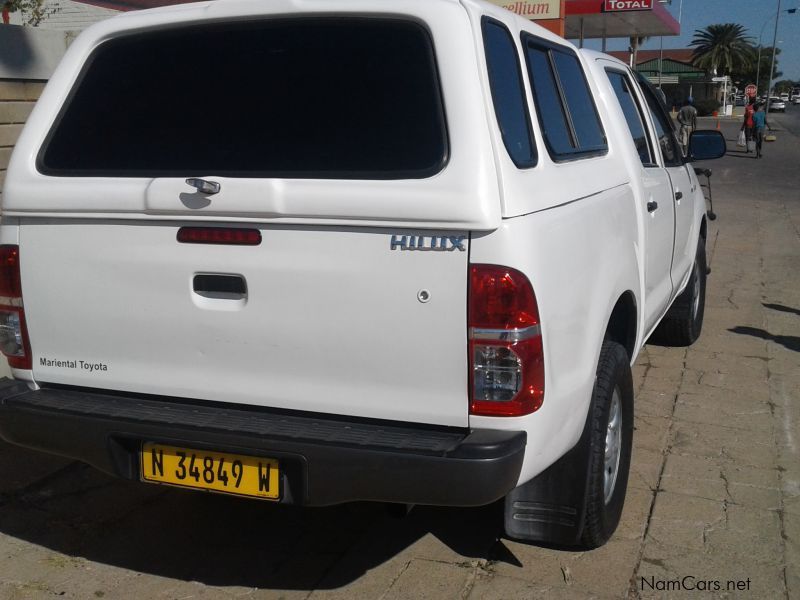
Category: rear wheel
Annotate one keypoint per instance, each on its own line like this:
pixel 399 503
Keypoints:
pixel 577 501
pixel 610 443
pixel 684 320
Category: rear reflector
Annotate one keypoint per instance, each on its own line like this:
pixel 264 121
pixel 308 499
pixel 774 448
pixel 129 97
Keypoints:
pixel 14 342
pixel 233 236
pixel 505 343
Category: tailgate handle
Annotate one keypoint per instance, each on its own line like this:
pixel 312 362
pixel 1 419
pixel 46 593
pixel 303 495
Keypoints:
pixel 231 287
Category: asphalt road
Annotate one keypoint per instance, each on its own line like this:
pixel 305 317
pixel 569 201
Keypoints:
pixel 790 120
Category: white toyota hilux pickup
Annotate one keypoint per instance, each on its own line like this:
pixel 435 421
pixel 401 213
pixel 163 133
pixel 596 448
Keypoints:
pixel 319 251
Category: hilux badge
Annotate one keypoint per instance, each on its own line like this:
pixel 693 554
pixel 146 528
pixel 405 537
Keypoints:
pixel 435 243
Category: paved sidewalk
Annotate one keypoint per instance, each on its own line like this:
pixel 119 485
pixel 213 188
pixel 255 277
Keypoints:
pixel 714 498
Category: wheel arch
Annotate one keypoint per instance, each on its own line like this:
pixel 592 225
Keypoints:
pixel 623 323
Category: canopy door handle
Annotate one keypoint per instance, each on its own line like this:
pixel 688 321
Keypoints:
pixel 203 185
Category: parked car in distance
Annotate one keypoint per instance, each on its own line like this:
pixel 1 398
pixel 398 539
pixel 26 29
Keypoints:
pixel 776 105
pixel 796 100
pixel 785 97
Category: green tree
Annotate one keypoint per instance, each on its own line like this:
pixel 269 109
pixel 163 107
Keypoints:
pixel 722 49
pixel 752 73
pixel 33 11
pixel 785 86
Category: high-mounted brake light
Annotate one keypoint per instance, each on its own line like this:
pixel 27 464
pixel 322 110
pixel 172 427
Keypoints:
pixel 13 332
pixel 505 343
pixel 233 236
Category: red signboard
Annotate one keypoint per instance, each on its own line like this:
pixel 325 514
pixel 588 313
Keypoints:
pixel 624 5
pixel 750 91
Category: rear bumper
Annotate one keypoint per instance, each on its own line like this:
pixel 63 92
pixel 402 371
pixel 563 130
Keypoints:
pixel 324 459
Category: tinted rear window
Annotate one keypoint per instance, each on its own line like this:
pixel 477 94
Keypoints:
pixel 567 113
pixel 508 93
pixel 323 98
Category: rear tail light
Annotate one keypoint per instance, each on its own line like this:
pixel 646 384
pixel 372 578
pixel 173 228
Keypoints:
pixel 505 343
pixel 13 332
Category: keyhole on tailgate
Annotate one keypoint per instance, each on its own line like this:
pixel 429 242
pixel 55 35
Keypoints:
pixel 423 296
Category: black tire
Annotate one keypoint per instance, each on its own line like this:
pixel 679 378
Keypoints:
pixel 684 321
pixel 605 497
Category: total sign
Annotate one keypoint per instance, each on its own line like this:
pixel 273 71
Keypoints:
pixel 620 5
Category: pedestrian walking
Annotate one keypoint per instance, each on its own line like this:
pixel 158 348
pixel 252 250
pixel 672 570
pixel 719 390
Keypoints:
pixel 748 125
pixel 760 124
pixel 687 119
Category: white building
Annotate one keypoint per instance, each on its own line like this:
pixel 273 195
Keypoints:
pixel 66 15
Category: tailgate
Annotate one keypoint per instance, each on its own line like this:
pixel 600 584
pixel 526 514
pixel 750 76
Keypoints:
pixel 331 320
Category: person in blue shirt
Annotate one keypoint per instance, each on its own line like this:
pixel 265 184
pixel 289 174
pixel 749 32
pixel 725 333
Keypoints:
pixel 760 123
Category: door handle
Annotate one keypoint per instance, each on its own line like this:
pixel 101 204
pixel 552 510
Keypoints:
pixel 652 206
pixel 678 195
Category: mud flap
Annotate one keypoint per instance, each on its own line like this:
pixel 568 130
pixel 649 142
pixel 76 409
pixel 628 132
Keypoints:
pixel 551 507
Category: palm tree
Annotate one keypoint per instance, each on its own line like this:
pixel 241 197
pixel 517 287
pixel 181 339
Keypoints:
pixel 722 49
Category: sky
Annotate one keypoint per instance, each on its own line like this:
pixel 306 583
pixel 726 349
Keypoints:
pixel 754 15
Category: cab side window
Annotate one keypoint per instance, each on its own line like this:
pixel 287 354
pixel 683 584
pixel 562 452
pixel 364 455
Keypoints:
pixel 666 135
pixel 633 115
pixel 508 93
pixel 567 113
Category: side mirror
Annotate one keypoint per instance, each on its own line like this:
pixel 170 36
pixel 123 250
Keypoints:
pixel 706 144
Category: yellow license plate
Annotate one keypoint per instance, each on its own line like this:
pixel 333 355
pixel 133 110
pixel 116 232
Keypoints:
pixel 217 471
